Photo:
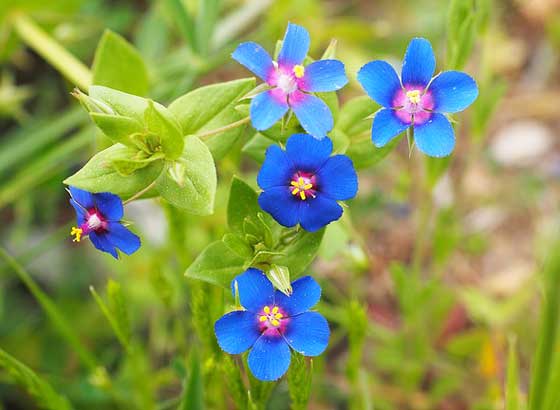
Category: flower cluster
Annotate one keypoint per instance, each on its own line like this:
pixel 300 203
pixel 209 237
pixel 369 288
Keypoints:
pixel 99 218
pixel 416 99
pixel 291 82
pixel 272 323
pixel 303 183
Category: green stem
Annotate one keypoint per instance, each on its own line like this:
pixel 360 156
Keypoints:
pixel 60 323
pixel 203 135
pixel 140 193
pixel 36 38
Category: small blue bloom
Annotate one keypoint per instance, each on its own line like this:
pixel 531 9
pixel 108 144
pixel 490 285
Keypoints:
pixel 272 323
pixel 418 100
pixel 99 218
pixel 291 83
pixel 303 184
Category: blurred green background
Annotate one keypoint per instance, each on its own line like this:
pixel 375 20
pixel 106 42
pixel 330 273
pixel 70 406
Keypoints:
pixel 424 288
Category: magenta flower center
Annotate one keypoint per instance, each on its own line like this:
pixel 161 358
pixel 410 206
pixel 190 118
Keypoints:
pixel 272 319
pixel 286 82
pixel 94 222
pixel 413 105
pixel 303 185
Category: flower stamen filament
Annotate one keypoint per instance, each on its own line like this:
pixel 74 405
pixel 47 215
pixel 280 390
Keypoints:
pixel 301 186
pixel 272 317
pixel 299 71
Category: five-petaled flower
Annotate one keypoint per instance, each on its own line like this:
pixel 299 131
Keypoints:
pixel 272 323
pixel 99 218
pixel 418 101
pixel 303 184
pixel 291 83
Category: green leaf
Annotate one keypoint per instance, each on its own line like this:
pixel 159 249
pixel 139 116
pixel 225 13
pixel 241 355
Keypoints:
pixel 237 244
pixel 242 203
pixel 37 387
pixel 117 64
pixel 234 381
pixel 211 107
pixel 193 389
pixel 100 174
pixel 117 128
pixel 122 103
pixel 300 252
pixel 216 264
pixel 190 182
pixel 353 115
pixel 161 122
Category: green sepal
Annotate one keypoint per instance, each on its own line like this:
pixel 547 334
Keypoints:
pixel 280 278
pixel 162 123
pixel 118 128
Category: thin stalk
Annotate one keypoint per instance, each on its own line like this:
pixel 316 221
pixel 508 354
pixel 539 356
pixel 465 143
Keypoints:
pixel 203 135
pixel 60 58
pixel 140 193
pixel 60 323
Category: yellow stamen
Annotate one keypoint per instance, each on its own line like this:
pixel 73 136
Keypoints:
pixel 299 71
pixel 275 322
pixel 308 186
pixel 295 191
pixel 263 318
pixel 266 310
pixel 293 183
pixel 413 96
pixel 278 315
pixel 77 232
pixel 275 309
pixel 302 195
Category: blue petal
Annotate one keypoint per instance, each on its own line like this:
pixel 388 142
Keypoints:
pixel 266 109
pixel 122 238
pixel 419 63
pixel 306 294
pixel 101 242
pixel 276 170
pixel 317 212
pixel 380 81
pixel 323 76
pixel 255 59
pixel 237 331
pixel 295 46
pixel 81 212
pixel 337 178
pixel 84 198
pixel 308 153
pixel 308 333
pixel 435 137
pixel 269 358
pixel 313 114
pixel 255 290
pixel 281 204
pixel 110 206
pixel 453 91
pixel 386 126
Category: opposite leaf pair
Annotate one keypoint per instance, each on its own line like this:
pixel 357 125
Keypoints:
pixel 417 101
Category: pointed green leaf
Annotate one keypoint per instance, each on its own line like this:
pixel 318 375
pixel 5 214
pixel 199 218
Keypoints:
pixel 242 203
pixel 216 264
pixel 211 107
pixel 125 104
pixel 117 64
pixel 100 174
pixel 190 182
pixel 300 252
pixel 117 128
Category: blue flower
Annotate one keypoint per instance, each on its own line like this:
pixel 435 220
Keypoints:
pixel 419 100
pixel 272 324
pixel 303 184
pixel 291 83
pixel 99 218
